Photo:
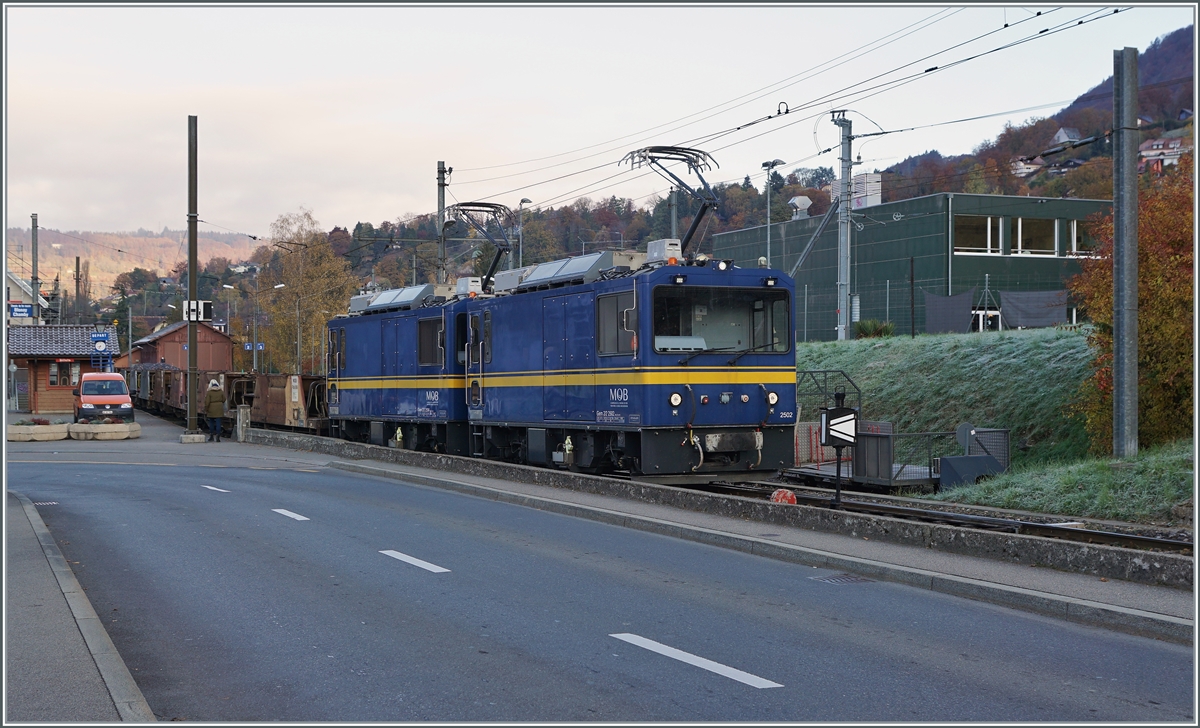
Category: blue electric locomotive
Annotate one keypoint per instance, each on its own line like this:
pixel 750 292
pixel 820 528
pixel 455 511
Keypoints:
pixel 668 366
pixel 600 362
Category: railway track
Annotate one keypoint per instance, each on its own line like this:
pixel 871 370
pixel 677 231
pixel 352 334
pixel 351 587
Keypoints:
pixel 1073 531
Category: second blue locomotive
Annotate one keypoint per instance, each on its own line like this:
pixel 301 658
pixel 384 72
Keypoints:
pixel 669 369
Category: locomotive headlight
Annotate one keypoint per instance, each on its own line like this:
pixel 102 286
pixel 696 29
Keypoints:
pixel 675 399
pixel 772 398
pixel 724 265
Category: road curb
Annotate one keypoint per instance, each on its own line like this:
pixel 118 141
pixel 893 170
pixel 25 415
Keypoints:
pixel 1081 611
pixel 1098 560
pixel 126 695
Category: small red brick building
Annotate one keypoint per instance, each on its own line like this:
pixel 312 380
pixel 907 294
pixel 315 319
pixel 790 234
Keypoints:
pixel 48 362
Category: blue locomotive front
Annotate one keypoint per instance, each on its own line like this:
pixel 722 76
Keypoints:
pixel 605 362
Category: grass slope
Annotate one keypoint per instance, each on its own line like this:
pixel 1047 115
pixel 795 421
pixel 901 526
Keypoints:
pixel 1019 380
pixel 1147 489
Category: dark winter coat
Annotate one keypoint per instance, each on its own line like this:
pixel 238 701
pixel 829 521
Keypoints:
pixel 214 403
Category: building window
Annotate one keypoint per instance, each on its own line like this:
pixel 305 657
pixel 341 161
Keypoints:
pixel 63 374
pixel 612 336
pixel 1081 242
pixel 1034 236
pixel 977 234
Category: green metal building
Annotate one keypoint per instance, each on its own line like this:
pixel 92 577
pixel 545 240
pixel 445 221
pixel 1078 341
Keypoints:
pixel 950 242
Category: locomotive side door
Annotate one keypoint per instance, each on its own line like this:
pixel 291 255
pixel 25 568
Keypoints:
pixel 389 365
pixel 474 364
pixel 568 357
pixel 554 396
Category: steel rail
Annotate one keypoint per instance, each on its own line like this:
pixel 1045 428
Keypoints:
pixel 992 523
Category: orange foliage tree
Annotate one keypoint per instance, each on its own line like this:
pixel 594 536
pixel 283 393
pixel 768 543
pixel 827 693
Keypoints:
pixel 1165 343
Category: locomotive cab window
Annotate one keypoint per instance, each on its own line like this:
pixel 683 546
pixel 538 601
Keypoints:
pixel 612 336
pixel 475 340
pixel 693 318
pixel 460 338
pixel 429 342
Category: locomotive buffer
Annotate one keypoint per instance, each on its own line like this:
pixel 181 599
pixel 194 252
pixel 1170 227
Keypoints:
pixel 839 429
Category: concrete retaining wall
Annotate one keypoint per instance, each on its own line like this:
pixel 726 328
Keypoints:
pixel 1102 561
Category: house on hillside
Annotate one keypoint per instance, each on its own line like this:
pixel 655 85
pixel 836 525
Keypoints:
pixel 1155 155
pixel 45 363
pixel 19 296
pixel 1065 134
pixel 1027 167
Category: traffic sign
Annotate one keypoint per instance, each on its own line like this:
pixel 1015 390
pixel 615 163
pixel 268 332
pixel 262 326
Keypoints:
pixel 247 346
pixel 839 427
pixel 260 346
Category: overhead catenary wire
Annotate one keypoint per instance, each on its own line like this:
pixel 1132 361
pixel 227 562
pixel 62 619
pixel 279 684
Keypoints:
pixel 601 184
pixel 701 139
pixel 794 79
pixel 875 90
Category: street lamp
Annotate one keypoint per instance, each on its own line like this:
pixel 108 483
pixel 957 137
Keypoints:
pixel 228 327
pixel 769 166
pixel 254 328
pixel 521 231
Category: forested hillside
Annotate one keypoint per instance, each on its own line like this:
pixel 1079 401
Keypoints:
pixel 111 254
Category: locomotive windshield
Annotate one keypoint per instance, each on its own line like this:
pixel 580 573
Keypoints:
pixel 694 318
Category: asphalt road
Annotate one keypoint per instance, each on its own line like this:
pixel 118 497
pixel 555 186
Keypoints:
pixel 305 594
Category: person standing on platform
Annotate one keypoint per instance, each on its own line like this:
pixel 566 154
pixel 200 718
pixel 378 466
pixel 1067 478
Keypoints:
pixel 214 410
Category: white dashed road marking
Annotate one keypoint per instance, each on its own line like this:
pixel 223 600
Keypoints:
pixel 415 561
pixel 289 514
pixel 216 489
pixel 729 672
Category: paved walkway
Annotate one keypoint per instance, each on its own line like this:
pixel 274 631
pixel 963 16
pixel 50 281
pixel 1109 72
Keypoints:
pixel 61 665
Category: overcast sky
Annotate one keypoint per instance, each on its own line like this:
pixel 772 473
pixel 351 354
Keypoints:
pixel 347 111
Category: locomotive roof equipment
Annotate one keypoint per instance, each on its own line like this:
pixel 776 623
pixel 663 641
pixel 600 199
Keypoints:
pixel 697 161
pixel 467 211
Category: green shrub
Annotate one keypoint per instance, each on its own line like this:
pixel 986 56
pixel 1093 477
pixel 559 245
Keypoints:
pixel 872 328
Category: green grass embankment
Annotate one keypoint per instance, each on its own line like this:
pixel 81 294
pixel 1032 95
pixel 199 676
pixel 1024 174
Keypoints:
pixel 1022 381
pixel 1016 380
pixel 1147 489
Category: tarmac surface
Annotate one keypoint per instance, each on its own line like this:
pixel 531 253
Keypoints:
pixel 62 666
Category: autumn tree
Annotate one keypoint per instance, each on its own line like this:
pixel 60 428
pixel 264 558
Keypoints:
pixel 317 286
pixel 1165 277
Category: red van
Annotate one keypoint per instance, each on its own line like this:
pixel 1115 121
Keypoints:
pixel 102 395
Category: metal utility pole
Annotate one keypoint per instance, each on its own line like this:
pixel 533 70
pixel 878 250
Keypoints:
pixel 193 276
pixel 674 216
pixel 77 321
pixel 770 167
pixel 843 279
pixel 441 219
pixel 1125 254
pixel 34 283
